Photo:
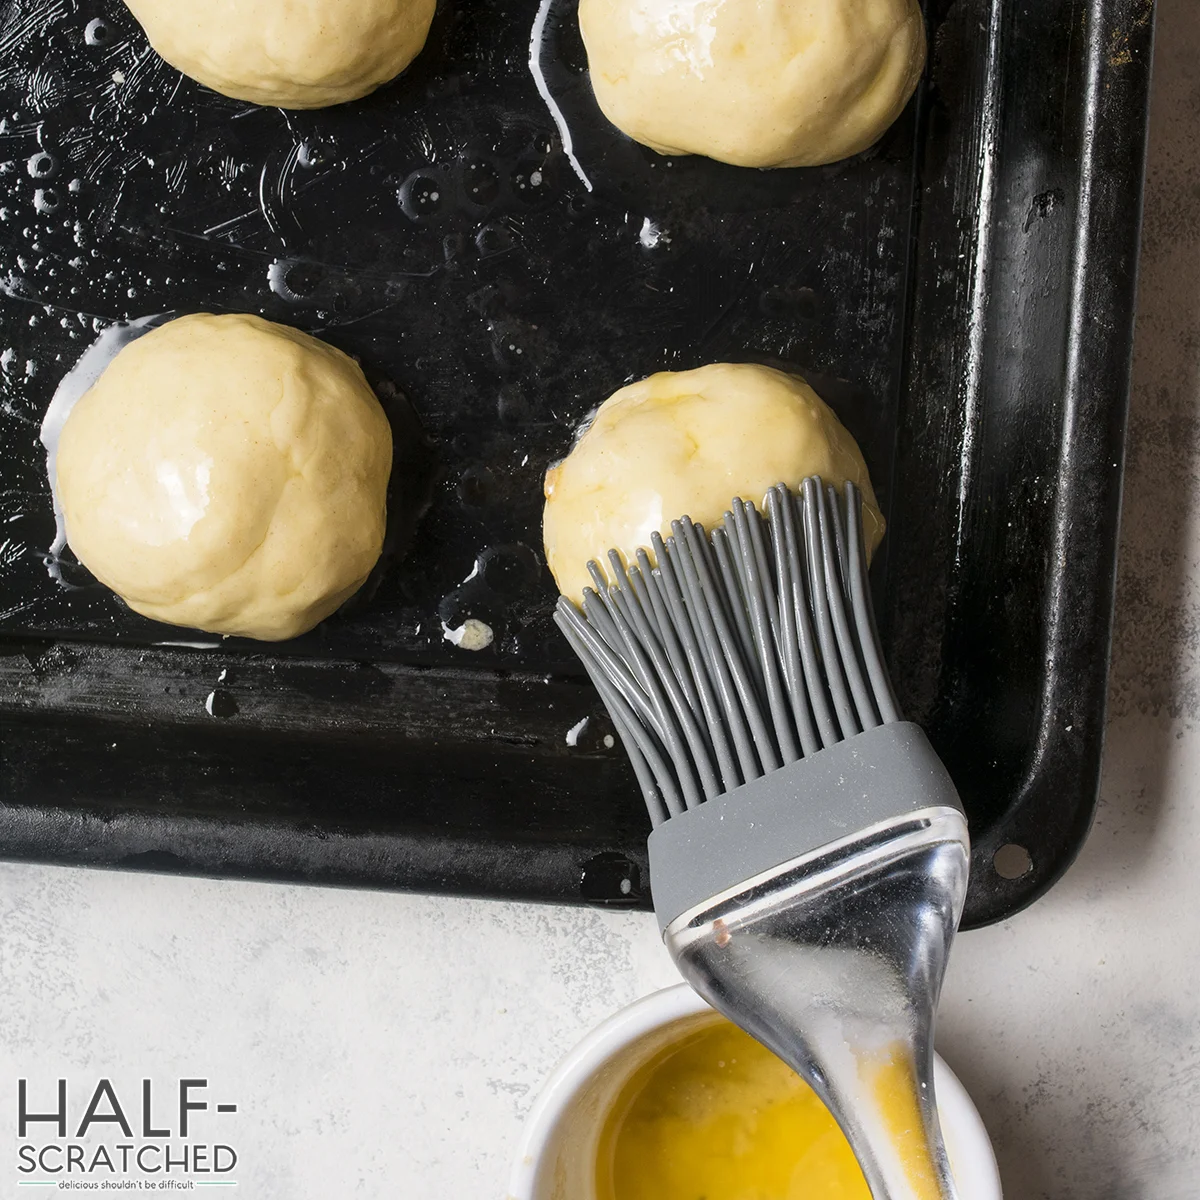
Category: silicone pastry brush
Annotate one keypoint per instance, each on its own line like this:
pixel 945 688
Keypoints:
pixel 809 853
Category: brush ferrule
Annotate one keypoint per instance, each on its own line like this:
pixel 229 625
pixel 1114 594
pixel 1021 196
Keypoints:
pixel 837 796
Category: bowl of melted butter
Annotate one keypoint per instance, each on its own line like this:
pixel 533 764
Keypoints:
pixel 669 1101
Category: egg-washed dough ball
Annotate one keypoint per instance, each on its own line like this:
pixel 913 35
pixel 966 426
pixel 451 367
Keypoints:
pixel 756 83
pixel 685 444
pixel 228 474
pixel 289 53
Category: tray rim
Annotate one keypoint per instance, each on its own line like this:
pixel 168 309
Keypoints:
pixel 1119 36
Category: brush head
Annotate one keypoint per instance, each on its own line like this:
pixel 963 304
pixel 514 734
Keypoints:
pixel 730 655
pixel 743 672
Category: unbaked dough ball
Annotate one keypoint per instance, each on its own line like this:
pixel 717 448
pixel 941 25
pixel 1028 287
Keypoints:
pixel 290 53
pixel 757 83
pixel 685 444
pixel 228 474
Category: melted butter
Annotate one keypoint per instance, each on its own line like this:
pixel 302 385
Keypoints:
pixel 686 29
pixel 719 1117
pixel 893 1085
pixel 184 499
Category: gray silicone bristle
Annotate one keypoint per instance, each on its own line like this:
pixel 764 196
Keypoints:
pixel 723 657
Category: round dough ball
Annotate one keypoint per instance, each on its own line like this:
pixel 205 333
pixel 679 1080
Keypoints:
pixel 289 53
pixel 756 83
pixel 228 474
pixel 685 444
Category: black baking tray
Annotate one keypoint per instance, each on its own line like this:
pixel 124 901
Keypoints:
pixel 962 294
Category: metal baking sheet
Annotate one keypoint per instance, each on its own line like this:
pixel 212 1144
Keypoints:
pixel 962 294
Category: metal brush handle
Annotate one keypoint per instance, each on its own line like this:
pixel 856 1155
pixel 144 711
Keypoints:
pixel 835 961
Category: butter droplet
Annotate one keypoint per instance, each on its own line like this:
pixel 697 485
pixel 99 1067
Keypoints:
pixel 472 634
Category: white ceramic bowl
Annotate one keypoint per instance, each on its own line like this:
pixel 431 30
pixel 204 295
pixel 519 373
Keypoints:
pixel 557 1156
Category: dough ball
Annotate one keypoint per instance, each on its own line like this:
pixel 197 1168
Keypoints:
pixel 685 444
pixel 290 53
pixel 756 83
pixel 228 474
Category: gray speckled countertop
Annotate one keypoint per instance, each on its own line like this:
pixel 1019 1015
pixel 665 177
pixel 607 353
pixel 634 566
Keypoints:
pixel 385 1045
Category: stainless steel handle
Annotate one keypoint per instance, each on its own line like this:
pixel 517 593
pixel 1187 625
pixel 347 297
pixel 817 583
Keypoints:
pixel 835 961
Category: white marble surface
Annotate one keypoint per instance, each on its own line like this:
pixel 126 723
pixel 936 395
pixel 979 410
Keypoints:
pixel 384 1045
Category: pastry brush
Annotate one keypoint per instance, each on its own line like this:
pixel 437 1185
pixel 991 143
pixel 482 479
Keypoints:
pixel 809 854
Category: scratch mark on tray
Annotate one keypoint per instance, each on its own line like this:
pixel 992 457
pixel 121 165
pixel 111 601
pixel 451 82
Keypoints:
pixel 174 91
pixel 269 256
pixel 11 552
pixel 356 319
pixel 20 27
pixel 273 200
pixel 223 227
pixel 14 609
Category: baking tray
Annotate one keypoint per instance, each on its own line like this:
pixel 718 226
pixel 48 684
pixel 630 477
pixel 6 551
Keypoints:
pixel 962 294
